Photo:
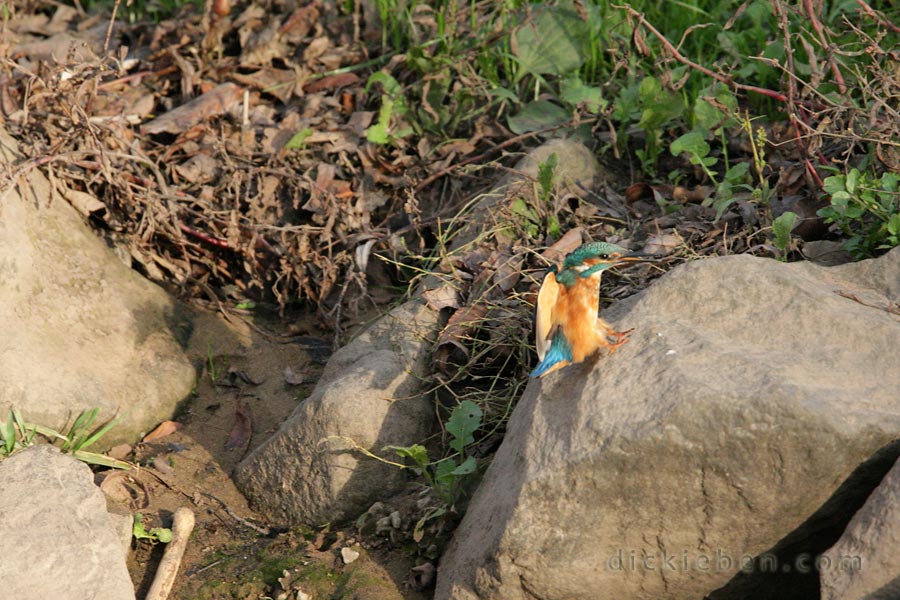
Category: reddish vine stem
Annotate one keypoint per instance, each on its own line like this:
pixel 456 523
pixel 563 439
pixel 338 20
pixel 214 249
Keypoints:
pixel 780 97
pixel 817 27
pixel 881 20
pixel 685 60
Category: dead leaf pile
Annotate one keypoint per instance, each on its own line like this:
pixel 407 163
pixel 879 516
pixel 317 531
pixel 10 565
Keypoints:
pixel 222 154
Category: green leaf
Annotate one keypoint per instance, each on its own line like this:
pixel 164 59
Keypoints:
pixel 834 184
pixel 416 452
pixel 840 200
pixel 694 144
pixel 545 175
pixel 298 140
pixel 659 106
pixel 505 94
pixel 537 115
pixel 573 91
pixel 852 180
pixel 893 224
pixel 782 227
pixel 550 43
pixel 467 467
pixel 519 207
pixel 93 458
pixel 707 115
pixel 854 211
pixel 391 86
pixel 162 534
pixel 462 424
pixel 737 173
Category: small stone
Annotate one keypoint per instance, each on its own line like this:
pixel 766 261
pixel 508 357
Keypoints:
pixel 383 525
pixel 395 519
pixel 349 555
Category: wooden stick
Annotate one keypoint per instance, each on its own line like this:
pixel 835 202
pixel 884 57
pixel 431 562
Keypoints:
pixel 182 525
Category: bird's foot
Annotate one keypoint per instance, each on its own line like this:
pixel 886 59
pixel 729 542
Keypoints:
pixel 620 338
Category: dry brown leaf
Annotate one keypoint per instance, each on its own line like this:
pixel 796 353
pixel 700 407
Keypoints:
pixel 122 486
pixel 162 430
pixel 277 82
pixel 697 194
pixel 213 103
pixel 564 245
pixel 120 451
pixel 445 296
pixel 84 203
pixel 332 82
pixel 451 350
pixel 242 429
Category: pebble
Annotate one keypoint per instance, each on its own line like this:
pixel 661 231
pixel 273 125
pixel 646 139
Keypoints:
pixel 349 555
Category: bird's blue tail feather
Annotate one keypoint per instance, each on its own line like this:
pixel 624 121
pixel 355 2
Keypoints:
pixel 559 351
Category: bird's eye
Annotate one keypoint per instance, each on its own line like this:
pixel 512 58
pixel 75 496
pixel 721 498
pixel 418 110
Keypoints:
pixel 604 256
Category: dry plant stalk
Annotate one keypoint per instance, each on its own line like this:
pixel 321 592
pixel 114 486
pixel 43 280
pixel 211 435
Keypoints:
pixel 182 526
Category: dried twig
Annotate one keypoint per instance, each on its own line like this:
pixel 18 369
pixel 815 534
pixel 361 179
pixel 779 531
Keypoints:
pixel 182 526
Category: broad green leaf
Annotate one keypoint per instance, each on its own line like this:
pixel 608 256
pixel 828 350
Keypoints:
pixel 467 467
pixel 693 143
pixel 659 106
pixel 782 227
pixel 537 115
pixel 551 42
pixel 573 91
pixel 737 173
pixel 834 184
pixel 462 424
pixel 706 115
pixel 443 472
pixel 893 224
pixel 840 200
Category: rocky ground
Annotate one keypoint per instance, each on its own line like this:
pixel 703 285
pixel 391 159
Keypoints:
pixel 330 366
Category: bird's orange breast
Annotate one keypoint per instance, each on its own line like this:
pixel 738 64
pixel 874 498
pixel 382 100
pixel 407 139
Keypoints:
pixel 577 308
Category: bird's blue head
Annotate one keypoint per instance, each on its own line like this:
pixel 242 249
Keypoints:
pixel 597 254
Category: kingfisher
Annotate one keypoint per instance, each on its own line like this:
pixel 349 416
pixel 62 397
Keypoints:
pixel 568 328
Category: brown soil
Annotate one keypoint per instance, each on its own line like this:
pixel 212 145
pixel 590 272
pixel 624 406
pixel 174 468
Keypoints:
pixel 233 552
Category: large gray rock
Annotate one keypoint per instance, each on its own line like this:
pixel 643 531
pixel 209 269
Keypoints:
pixel 371 395
pixel 750 390
pixel 865 562
pixel 80 330
pixel 59 540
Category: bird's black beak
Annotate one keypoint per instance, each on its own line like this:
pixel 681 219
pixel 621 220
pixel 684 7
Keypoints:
pixel 638 257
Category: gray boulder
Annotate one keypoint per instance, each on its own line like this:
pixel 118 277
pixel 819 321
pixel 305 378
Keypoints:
pixel 369 396
pixel 865 561
pixel 719 435
pixel 80 329
pixel 60 540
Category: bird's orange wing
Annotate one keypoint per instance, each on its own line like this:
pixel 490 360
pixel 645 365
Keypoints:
pixel 544 320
